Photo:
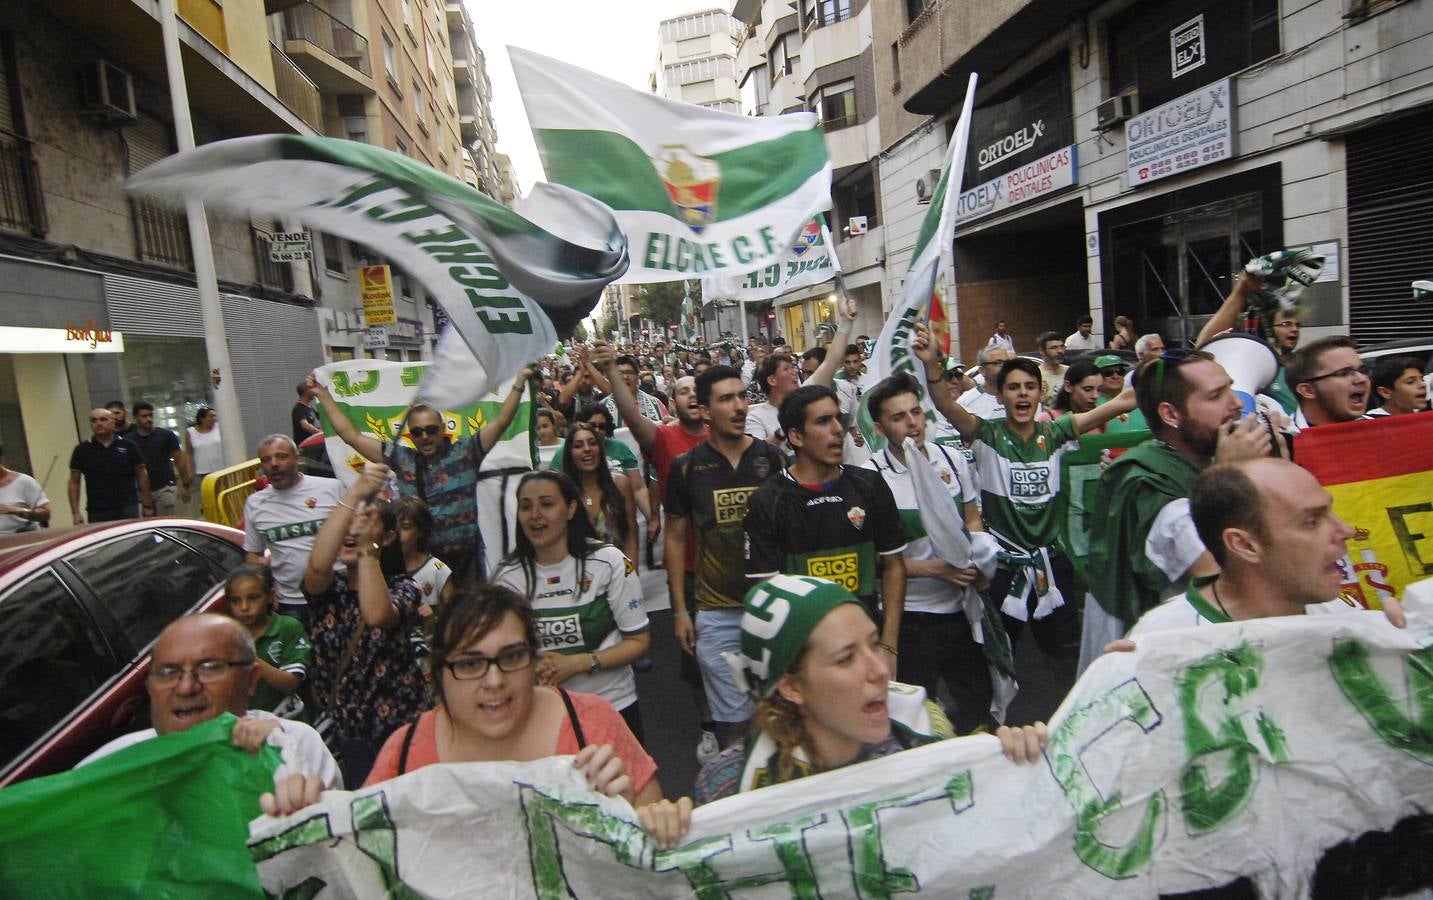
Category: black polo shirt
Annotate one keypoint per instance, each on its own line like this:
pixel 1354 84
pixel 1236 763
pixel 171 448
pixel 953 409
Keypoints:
pixel 109 473
pixel 157 451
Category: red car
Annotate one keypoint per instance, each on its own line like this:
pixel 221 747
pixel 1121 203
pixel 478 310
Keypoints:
pixel 80 609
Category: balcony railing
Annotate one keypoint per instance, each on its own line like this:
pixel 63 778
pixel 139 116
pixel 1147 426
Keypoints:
pixel 295 90
pixel 161 235
pixel 22 206
pixel 309 23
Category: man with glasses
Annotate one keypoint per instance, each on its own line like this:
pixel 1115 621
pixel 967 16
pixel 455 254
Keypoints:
pixel 983 400
pixel 204 665
pixel 441 471
pixel 1331 382
pixel 1283 335
pixel 1143 545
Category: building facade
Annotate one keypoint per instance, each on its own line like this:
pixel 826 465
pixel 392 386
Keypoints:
pixel 818 56
pixel 1130 157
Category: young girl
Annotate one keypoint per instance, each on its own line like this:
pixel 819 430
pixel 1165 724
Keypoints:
pixel 588 601
pixel 415 530
pixel 283 648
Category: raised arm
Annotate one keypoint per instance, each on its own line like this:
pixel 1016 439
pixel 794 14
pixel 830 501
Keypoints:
pixel 1087 421
pixel 318 577
pixel 1233 307
pixel 366 445
pixel 929 354
pixel 825 373
pixel 604 359
pixel 493 431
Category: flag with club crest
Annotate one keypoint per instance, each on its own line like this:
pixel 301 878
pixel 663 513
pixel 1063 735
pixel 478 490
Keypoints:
pixel 697 191
pixel 923 291
pixel 483 262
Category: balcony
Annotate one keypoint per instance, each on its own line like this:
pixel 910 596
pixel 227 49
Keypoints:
pixel 330 52
pixel 22 206
pixel 454 11
pixel 463 72
pixel 468 124
pixel 295 89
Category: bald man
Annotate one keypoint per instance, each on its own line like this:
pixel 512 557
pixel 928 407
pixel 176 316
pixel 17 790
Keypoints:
pixel 116 481
pixel 204 665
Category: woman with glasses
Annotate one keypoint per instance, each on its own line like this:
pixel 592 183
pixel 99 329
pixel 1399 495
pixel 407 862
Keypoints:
pixel 610 502
pixel 585 593
pixel 366 673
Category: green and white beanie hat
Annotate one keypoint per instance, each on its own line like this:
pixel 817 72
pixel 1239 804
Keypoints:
pixel 778 617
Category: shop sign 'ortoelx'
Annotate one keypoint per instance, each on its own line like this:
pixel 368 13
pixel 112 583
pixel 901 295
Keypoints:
pixel 1036 179
pixel 1186 133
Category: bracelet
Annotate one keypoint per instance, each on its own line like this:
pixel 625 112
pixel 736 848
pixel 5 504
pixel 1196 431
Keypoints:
pixel 372 551
pixel 888 648
pixel 347 507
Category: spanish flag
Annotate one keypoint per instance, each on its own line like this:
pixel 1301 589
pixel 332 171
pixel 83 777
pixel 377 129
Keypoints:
pixel 939 321
pixel 1380 472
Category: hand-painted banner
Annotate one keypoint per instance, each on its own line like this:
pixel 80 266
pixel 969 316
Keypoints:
pixel 482 261
pixel 1380 472
pixel 696 190
pixel 925 278
pixel 811 259
pixel 1250 750
pixel 375 395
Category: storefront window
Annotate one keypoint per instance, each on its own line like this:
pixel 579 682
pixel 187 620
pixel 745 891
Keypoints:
pixel 171 373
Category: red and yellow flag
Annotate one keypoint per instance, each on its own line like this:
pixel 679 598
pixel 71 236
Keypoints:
pixel 939 323
pixel 1380 472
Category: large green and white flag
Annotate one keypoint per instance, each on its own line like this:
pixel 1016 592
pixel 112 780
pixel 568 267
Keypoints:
pixel 483 262
pixel 697 191
pixel 810 259
pixel 925 277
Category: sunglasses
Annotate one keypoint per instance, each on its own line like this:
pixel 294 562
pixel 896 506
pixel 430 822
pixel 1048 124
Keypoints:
pixel 1114 370
pixel 426 431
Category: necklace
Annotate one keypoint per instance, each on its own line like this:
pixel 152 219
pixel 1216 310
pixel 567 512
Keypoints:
pixel 1215 587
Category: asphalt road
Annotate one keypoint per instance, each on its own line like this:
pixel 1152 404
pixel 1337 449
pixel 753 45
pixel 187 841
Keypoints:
pixel 671 723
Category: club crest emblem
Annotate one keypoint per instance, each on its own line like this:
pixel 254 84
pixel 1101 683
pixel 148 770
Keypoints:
pixel 808 237
pixel 945 475
pixel 761 466
pixel 311 502
pixel 857 516
pixel 691 182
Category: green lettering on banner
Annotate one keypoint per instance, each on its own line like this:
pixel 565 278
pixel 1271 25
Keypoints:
pixel 485 277
pixel 375 835
pixel 359 192
pixel 874 881
pixel 796 870
pixel 412 375
pixel 1373 700
pixel 310 831
pixel 345 386
pixel 396 216
pixel 1230 673
pixel 1081 729
pixel 543 813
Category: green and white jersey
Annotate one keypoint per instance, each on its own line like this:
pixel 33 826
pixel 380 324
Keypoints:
pixel 1020 479
pixel 926 595
pixel 585 617
pixel 285 523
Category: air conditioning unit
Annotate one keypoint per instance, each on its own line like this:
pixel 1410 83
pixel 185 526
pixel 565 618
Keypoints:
pixel 856 225
pixel 926 185
pixel 1115 110
pixel 107 91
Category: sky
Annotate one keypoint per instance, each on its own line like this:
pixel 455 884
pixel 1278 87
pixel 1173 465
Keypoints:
pixel 616 39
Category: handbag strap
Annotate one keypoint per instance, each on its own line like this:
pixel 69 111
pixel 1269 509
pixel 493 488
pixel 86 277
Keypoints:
pixel 572 717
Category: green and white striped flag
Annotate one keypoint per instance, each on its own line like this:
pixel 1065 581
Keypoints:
pixel 924 278
pixel 483 262
pixel 697 191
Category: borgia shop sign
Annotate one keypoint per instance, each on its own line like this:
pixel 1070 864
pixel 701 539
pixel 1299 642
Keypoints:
pixel 1185 133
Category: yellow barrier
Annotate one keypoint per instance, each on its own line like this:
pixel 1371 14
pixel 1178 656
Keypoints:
pixel 224 492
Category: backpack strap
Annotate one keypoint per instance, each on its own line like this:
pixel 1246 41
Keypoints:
pixel 572 717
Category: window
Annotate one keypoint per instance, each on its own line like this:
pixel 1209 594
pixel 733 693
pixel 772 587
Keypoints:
pixel 418 105
pixel 914 8
pixel 333 255
pixel 355 128
pixel 700 70
pixel 784 55
pixel 51 659
pixel 825 12
pixel 755 91
pixel 400 147
pixel 855 196
pixel 390 59
pixel 432 57
pixel 1235 35
pixel 146 581
pixel 408 15
pixel 223 556
pixel 835 105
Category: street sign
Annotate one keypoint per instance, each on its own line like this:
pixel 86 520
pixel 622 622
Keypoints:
pixel 375 337
pixel 290 246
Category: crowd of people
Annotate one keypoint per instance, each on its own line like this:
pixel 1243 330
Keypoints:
pixel 819 624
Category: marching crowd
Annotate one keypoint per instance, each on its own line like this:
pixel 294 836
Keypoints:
pixel 820 624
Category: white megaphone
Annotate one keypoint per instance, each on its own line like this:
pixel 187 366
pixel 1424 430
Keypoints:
pixel 1249 360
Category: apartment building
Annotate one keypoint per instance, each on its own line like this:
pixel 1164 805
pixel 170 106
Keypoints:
pixel 1130 157
pixel 817 55
pixel 696 60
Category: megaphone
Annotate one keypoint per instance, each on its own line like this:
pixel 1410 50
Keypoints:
pixel 1249 360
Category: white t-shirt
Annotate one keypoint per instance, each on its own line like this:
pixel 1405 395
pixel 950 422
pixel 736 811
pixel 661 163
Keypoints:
pixel 306 753
pixel 430 578
pixel 1078 341
pixel 208 450
pixel 284 523
pixel 761 421
pixel 1179 612
pixel 607 607
pixel 1001 340
pixel 927 595
pixel 21 491
pixel 982 405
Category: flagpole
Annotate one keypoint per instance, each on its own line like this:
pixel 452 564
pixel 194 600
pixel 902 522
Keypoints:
pixel 226 400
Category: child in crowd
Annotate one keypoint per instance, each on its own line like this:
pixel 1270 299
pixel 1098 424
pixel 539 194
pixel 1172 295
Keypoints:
pixel 283 647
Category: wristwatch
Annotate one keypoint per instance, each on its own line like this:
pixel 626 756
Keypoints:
pixel 372 551
pixel 596 665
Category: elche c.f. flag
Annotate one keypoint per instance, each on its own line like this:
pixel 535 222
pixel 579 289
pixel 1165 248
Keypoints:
pixel 923 288
pixel 697 191
pixel 483 262
pixel 810 259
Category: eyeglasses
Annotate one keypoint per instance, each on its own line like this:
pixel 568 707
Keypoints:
pixel 426 431
pixel 206 672
pixel 472 666
pixel 1345 372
